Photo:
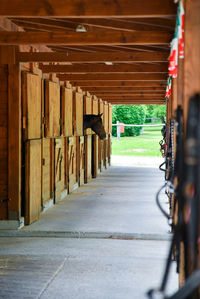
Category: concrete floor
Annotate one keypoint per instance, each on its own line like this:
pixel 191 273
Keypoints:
pixel 108 240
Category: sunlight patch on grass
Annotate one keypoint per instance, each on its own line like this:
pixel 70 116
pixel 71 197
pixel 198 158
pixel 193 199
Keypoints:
pixel 146 144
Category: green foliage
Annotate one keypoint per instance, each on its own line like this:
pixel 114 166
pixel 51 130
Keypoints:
pixel 129 114
pixel 155 111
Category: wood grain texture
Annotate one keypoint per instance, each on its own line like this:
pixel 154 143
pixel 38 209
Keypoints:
pixel 71 163
pixel 113 77
pixel 86 38
pixel 4 142
pixel 14 142
pixel 33 202
pixel 94 156
pixel 47 171
pixel 80 160
pixel 78 113
pixel 59 170
pixel 32 106
pixel 97 68
pixel 119 83
pixel 87 109
pixel 117 56
pixel 87 8
pixel 192 52
pixel 67 111
pixel 88 158
pixel 52 109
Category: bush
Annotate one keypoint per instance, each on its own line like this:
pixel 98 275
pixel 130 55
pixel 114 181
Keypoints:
pixel 129 114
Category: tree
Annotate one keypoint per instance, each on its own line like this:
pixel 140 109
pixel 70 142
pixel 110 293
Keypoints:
pixel 129 114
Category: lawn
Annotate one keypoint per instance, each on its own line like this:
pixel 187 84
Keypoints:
pixel 146 144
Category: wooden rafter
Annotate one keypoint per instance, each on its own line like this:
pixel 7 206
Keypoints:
pixel 86 38
pixel 93 68
pixel 87 8
pixel 122 93
pixel 125 89
pixel 95 57
pixel 121 83
pixel 113 77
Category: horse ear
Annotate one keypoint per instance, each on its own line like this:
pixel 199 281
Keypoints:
pixel 100 115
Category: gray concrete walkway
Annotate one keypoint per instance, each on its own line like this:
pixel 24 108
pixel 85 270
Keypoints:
pixel 108 240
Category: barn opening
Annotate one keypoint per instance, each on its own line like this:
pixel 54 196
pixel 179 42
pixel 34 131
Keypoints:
pixel 60 61
pixel 137 135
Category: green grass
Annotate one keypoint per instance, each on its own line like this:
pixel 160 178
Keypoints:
pixel 146 144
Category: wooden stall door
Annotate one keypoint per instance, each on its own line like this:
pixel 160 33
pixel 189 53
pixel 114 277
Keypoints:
pixel 52 109
pixel 87 108
pixel 94 156
pixel 95 108
pixel 101 142
pixel 88 158
pixel 105 152
pixel 78 114
pixel 72 163
pixel 59 171
pixel 32 106
pixel 32 181
pixel 67 111
pixel 47 173
pixel 109 118
pixel 106 113
pixel 109 148
pixel 80 160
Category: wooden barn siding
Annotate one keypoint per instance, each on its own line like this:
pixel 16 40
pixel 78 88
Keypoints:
pixel 10 149
pixel 4 141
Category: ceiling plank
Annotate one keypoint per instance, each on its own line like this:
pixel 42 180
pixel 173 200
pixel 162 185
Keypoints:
pixel 93 68
pixel 124 89
pixel 85 38
pixel 133 96
pixel 113 77
pixel 106 83
pixel 141 102
pixel 93 57
pixel 119 94
pixel 87 8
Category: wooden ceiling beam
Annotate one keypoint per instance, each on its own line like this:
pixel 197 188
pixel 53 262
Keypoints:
pixel 94 68
pixel 87 8
pixel 109 84
pixel 113 77
pixel 132 102
pixel 133 96
pixel 125 89
pixel 119 57
pixel 85 38
pixel 127 94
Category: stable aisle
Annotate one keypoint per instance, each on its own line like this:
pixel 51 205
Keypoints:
pixel 107 240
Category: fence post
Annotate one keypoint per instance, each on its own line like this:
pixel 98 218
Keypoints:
pixel 118 130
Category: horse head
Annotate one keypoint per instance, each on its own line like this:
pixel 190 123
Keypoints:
pixel 95 123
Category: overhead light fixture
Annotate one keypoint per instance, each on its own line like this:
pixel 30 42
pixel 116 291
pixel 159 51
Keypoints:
pixel 81 28
pixel 108 63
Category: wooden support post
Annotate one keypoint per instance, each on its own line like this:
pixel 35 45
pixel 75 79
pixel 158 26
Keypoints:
pixel 174 100
pixel 192 52
pixel 180 81
pixel 14 142
pixel 191 74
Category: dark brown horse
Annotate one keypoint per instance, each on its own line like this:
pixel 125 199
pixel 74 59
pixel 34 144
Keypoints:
pixel 95 123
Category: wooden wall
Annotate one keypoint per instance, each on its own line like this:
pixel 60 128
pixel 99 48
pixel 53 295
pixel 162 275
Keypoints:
pixel 4 142
pixel 49 150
